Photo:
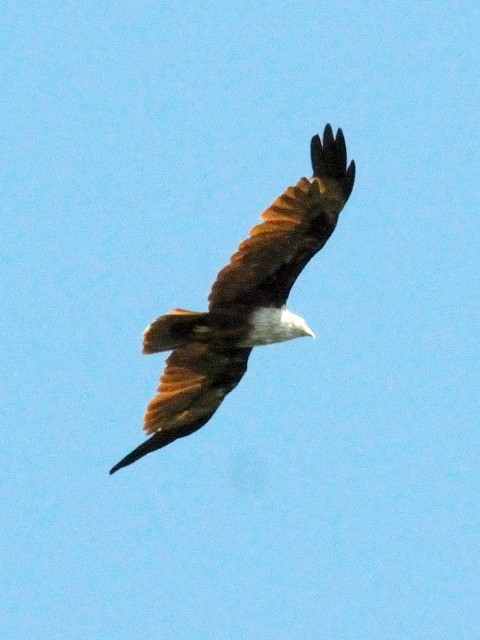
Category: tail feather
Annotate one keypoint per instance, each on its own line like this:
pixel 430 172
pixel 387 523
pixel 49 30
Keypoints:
pixel 174 330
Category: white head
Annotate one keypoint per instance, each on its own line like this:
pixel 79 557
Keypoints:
pixel 273 324
pixel 297 325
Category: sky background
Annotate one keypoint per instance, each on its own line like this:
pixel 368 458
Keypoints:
pixel 335 494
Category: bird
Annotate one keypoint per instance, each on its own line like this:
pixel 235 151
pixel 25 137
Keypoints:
pixel 247 302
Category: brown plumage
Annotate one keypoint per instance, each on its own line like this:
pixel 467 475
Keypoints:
pixel 192 387
pixel 295 227
pixel 247 301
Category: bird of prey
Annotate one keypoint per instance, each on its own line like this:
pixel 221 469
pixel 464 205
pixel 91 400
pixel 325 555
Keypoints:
pixel 247 303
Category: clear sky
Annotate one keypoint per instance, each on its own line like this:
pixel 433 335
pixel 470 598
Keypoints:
pixel 335 494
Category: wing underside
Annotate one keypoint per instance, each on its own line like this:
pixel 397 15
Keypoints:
pixel 295 227
pixel 195 381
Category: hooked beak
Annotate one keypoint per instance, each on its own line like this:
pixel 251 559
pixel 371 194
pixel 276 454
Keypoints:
pixel 309 332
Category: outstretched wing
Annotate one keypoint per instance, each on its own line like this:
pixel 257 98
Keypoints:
pixel 295 227
pixel 192 387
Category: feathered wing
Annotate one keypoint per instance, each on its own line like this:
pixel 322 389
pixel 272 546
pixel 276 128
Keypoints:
pixel 195 381
pixel 295 227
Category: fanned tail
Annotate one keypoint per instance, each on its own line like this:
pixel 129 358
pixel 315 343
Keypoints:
pixel 173 330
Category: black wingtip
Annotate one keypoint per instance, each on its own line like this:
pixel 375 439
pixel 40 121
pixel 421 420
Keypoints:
pixel 115 468
pixel 316 152
pixel 329 158
pixel 328 137
pixel 157 441
pixel 123 463
pixel 350 177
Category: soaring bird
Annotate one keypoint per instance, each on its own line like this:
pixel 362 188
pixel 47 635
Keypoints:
pixel 247 303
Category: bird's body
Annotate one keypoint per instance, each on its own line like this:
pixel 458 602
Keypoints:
pixel 247 304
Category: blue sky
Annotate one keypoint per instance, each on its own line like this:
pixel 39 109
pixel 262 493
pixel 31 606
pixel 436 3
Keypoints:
pixel 335 494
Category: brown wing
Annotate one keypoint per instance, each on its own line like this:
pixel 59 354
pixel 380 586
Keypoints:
pixel 295 227
pixel 192 387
